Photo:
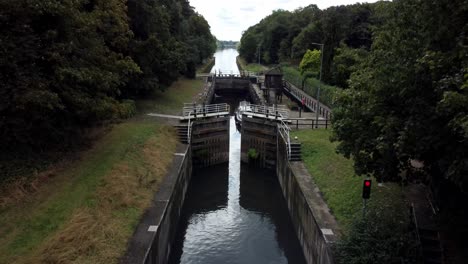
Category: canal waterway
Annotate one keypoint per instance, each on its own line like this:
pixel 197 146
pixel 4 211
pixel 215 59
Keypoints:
pixel 225 61
pixel 234 213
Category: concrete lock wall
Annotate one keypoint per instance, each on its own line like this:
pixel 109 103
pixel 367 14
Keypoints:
pixel 154 235
pixel 172 203
pixel 315 226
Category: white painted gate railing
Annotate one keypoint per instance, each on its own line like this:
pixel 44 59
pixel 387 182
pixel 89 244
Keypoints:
pixel 280 111
pixel 196 110
pixel 284 130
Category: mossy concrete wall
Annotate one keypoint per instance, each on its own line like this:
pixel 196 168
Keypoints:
pixel 315 226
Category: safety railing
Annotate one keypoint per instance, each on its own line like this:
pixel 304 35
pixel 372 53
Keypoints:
pixel 283 130
pixel 307 100
pixel 308 123
pixel 189 130
pixel 200 110
pixel 276 111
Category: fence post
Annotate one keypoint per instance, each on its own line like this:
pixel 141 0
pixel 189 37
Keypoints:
pixel 326 123
pixel 312 123
pixel 297 124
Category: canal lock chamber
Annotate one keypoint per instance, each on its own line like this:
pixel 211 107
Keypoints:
pixel 234 211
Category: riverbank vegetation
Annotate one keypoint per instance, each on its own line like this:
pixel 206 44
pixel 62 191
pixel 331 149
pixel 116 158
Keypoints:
pixel 92 200
pixel 85 209
pixel 69 66
pixel 252 67
pixel 402 113
pixel 75 177
pixel 385 233
pixel 171 101
pixel 404 77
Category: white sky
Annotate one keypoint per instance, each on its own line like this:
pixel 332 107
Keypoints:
pixel 229 18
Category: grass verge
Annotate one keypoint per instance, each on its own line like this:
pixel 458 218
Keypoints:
pixel 340 186
pixel 207 66
pixel 253 67
pixel 85 210
pixel 172 100
pixel 88 209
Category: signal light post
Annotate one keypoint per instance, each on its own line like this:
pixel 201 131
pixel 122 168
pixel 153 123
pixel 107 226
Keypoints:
pixel 366 189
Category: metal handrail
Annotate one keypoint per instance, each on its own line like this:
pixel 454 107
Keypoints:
pixel 280 111
pixel 284 130
pixel 189 128
pixel 195 109
pixel 310 101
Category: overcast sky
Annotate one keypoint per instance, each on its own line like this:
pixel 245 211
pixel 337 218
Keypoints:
pixel 228 18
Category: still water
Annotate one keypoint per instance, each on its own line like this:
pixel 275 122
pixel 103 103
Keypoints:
pixel 225 61
pixel 234 213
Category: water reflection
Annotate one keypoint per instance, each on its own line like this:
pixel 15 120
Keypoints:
pixel 247 222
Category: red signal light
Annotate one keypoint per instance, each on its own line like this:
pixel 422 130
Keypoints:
pixel 366 189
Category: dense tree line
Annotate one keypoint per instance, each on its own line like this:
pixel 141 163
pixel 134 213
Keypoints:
pixel 285 36
pixel 408 98
pixel 223 44
pixel 405 66
pixel 67 65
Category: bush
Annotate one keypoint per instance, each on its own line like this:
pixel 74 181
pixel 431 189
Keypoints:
pixel 381 237
pixel 126 109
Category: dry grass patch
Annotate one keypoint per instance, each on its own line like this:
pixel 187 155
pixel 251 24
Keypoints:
pixel 98 225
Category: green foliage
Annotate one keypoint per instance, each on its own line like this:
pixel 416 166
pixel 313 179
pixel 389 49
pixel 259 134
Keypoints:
pixel 286 36
pixel 310 62
pixel 328 93
pixel 407 100
pixel 249 47
pixel 252 154
pixel 127 109
pixel 69 65
pixel 346 61
pixel 226 44
pixel 383 236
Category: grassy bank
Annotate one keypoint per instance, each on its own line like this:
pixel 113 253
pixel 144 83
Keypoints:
pixel 253 67
pixel 172 100
pixel 207 66
pixel 337 181
pixel 84 210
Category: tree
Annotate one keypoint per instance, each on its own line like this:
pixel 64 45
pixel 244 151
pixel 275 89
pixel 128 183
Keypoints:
pixel 248 47
pixel 69 65
pixel 408 101
pixel 62 66
pixel 346 61
pixel 310 65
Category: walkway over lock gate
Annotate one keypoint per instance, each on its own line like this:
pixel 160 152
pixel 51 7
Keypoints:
pixel 309 102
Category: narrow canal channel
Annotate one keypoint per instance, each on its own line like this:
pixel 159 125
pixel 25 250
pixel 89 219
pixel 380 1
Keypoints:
pixel 234 213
